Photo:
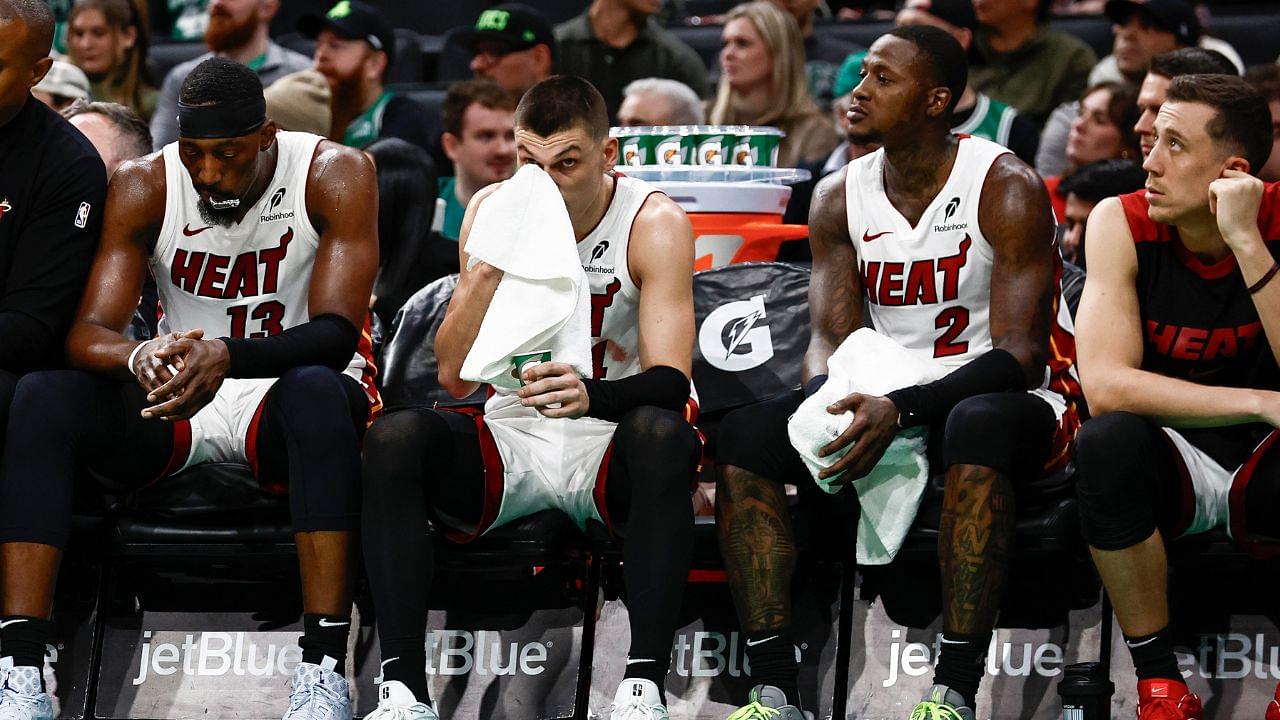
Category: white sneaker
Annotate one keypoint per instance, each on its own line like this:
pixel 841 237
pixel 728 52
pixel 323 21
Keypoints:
pixel 319 693
pixel 397 702
pixel 21 697
pixel 638 700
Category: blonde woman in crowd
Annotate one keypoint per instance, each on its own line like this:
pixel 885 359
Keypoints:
pixel 107 39
pixel 762 82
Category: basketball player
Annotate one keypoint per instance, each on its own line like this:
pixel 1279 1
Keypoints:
pixel 638 452
pixel 947 243
pixel 264 248
pixel 1179 333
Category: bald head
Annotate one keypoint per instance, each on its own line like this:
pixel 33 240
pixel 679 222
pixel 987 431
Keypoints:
pixel 36 17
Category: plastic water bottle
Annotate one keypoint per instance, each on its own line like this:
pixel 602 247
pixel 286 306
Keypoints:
pixel 1086 692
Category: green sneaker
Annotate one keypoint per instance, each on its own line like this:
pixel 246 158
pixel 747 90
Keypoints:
pixel 942 703
pixel 767 702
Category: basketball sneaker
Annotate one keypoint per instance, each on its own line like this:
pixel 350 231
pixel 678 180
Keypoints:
pixel 767 702
pixel 638 699
pixel 319 693
pixel 1164 699
pixel 20 695
pixel 396 702
pixel 942 703
pixel 1273 707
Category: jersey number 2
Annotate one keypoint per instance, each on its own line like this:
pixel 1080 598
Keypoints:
pixel 952 322
pixel 270 317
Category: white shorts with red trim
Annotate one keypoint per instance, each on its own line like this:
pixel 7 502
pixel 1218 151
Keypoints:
pixel 1215 493
pixel 223 430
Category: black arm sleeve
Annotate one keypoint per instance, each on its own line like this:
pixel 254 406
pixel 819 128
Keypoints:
pixel 327 340
pixel 661 386
pixel 994 371
pixel 52 254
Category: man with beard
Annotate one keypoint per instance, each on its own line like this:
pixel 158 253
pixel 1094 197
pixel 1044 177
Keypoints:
pixel 479 137
pixel 354 48
pixel 264 249
pixel 239 30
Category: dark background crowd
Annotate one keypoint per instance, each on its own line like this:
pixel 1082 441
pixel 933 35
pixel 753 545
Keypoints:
pixel 428 88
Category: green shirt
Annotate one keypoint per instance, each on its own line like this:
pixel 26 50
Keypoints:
pixel 1049 69
pixel 991 120
pixel 368 125
pixel 451 226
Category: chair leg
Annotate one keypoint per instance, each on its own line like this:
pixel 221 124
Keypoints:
pixel 586 657
pixel 1104 641
pixel 844 640
pixel 100 609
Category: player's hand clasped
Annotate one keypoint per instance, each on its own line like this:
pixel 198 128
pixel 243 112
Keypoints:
pixel 554 382
pixel 875 423
pixel 200 365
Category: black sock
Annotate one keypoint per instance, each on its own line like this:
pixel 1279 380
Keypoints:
pixel 1153 655
pixel 772 656
pixel 652 669
pixel 960 664
pixel 406 661
pixel 325 636
pixel 24 639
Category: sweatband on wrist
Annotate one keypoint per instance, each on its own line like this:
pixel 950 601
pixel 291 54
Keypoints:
pixel 222 120
pixel 994 371
pixel 328 340
pixel 661 386
pixel 134 356
pixel 815 383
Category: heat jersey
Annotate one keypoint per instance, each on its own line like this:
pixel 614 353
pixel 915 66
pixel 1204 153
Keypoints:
pixel 615 298
pixel 1199 322
pixel 928 287
pixel 249 280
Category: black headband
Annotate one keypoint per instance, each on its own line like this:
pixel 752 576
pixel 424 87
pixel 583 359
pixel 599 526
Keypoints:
pixel 224 120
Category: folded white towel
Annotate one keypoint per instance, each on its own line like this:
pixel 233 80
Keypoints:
pixel 543 301
pixel 869 363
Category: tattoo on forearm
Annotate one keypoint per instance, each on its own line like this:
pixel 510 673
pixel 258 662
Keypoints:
pixel 974 541
pixel 758 545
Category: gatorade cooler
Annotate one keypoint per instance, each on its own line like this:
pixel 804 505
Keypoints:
pixel 736 212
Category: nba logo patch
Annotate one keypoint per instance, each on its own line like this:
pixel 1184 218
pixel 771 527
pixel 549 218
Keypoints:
pixel 82 215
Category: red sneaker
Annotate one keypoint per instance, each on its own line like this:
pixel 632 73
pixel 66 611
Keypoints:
pixel 1163 699
pixel 1273 708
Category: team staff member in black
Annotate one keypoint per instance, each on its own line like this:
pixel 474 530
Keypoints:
pixel 52 189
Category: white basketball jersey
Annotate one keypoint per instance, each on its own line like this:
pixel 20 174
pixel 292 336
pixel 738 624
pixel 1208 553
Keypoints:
pixel 615 299
pixel 250 280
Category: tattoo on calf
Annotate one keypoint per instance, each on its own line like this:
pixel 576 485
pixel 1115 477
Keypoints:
pixel 974 541
pixel 758 545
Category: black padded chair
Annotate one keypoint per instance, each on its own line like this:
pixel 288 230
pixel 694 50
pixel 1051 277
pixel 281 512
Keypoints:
pixel 167 56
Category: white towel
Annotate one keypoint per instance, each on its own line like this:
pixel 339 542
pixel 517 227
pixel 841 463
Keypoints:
pixel 870 363
pixel 543 301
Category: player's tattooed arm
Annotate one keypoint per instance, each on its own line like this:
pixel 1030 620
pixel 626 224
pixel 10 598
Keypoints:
pixel 835 287
pixel 758 546
pixel 1016 218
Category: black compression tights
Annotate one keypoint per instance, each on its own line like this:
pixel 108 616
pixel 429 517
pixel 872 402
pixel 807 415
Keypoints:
pixel 420 458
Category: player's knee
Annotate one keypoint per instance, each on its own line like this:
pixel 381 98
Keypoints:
pixel 1115 504
pixel 49 401
pixel 740 434
pixel 973 420
pixel 655 430
pixel 399 436
pixel 310 381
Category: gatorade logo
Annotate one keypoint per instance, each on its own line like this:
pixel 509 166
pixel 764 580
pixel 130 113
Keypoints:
pixel 494 20
pixel 734 337
pixel 340 10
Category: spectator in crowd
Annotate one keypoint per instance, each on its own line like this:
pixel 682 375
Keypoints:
pixel 1143 29
pixel 354 48
pixel 616 41
pixel 514 46
pixel 1020 61
pixel 479 138
pixel 762 83
pixel 107 39
pixel 62 85
pixel 1266 80
pixel 1084 189
pixel 183 20
pixel 239 30
pixel 823 54
pixel 977 113
pixel 116 132
pixel 1164 68
pixel 409 254
pixel 301 102
pixel 849 149
pixel 659 101
pixel 1102 131
pixel 52 190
